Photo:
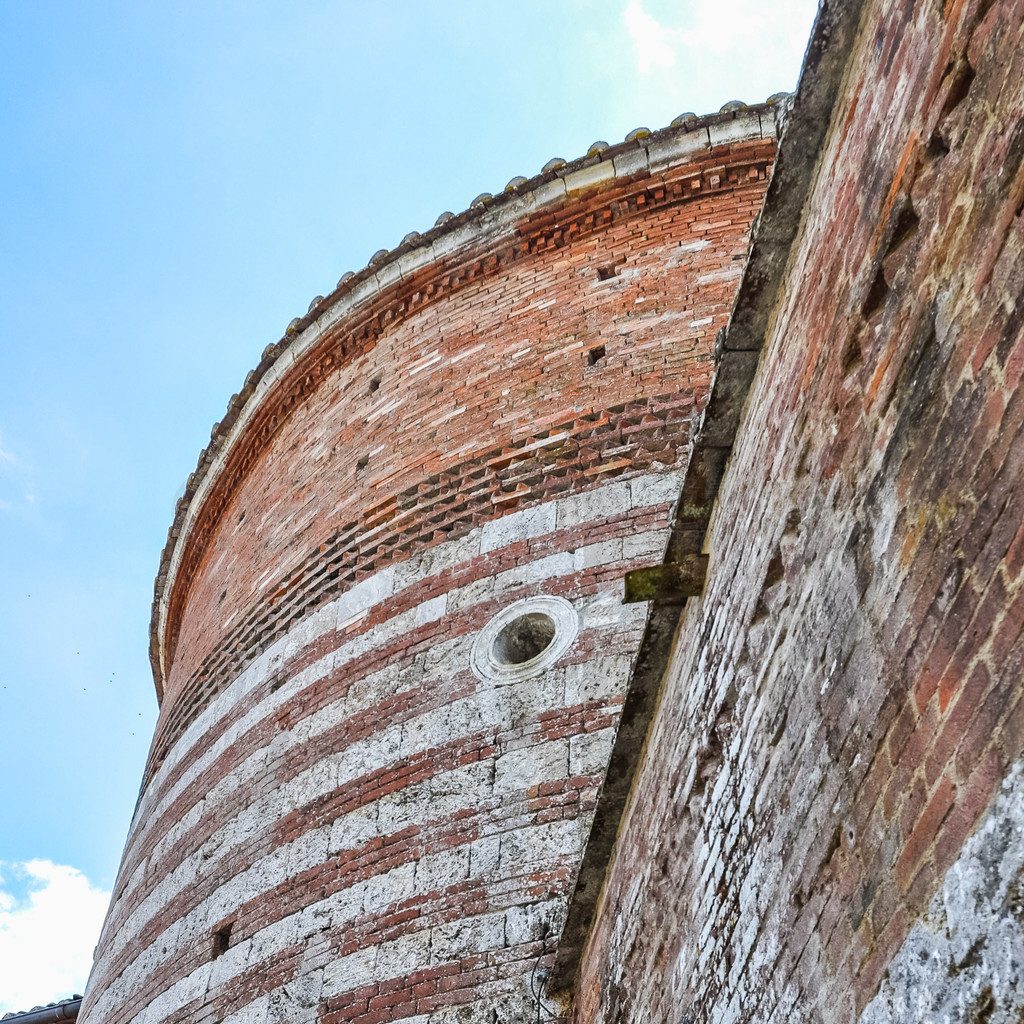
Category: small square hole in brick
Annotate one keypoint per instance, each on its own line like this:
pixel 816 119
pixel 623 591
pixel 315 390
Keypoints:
pixel 221 940
pixel 374 383
pixel 595 354
pixel 607 273
pixel 363 462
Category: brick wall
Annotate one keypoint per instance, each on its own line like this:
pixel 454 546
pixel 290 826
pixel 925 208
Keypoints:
pixel 845 698
pixel 340 821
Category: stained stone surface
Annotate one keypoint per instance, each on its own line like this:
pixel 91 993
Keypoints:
pixel 965 960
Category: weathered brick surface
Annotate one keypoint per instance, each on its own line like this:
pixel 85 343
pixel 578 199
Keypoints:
pixel 964 960
pixel 845 697
pixel 339 820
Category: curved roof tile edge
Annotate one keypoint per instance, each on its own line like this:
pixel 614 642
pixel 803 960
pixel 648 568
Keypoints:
pixel 383 268
pixel 63 1009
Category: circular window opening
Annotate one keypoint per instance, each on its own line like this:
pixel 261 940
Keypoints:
pixel 524 639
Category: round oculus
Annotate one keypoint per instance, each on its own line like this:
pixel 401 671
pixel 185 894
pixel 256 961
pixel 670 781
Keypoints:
pixel 524 639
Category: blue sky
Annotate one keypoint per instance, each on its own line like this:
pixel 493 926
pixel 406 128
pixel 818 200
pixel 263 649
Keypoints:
pixel 178 181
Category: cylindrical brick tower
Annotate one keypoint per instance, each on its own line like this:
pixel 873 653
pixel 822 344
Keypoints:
pixel 388 636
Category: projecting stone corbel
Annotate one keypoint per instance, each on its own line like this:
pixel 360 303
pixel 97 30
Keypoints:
pixel 668 584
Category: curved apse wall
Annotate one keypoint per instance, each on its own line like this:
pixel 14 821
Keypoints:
pixel 368 794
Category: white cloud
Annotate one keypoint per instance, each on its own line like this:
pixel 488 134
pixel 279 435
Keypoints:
pixel 729 42
pixel 749 27
pixel 655 44
pixel 50 918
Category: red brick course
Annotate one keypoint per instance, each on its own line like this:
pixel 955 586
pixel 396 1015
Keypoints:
pixel 546 300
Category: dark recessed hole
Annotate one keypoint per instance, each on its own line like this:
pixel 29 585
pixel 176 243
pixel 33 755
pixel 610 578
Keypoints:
pixel 221 940
pixel 524 638
pixel 985 1005
pixel 595 354
pixel 981 10
pixel 958 88
pixel 905 227
pixel 776 572
pixel 780 730
pixel 363 462
pixel 936 148
pixel 851 355
pixel 876 296
pixel 607 273
pixel 374 383
pixel 241 518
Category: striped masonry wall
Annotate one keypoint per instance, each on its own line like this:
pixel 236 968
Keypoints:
pixel 374 771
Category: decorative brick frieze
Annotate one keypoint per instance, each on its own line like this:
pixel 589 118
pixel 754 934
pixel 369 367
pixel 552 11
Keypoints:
pixel 617 222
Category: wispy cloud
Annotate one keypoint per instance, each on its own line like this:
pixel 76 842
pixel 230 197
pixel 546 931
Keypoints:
pixel 655 43
pixel 17 488
pixel 50 918
pixel 746 33
pixel 754 28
